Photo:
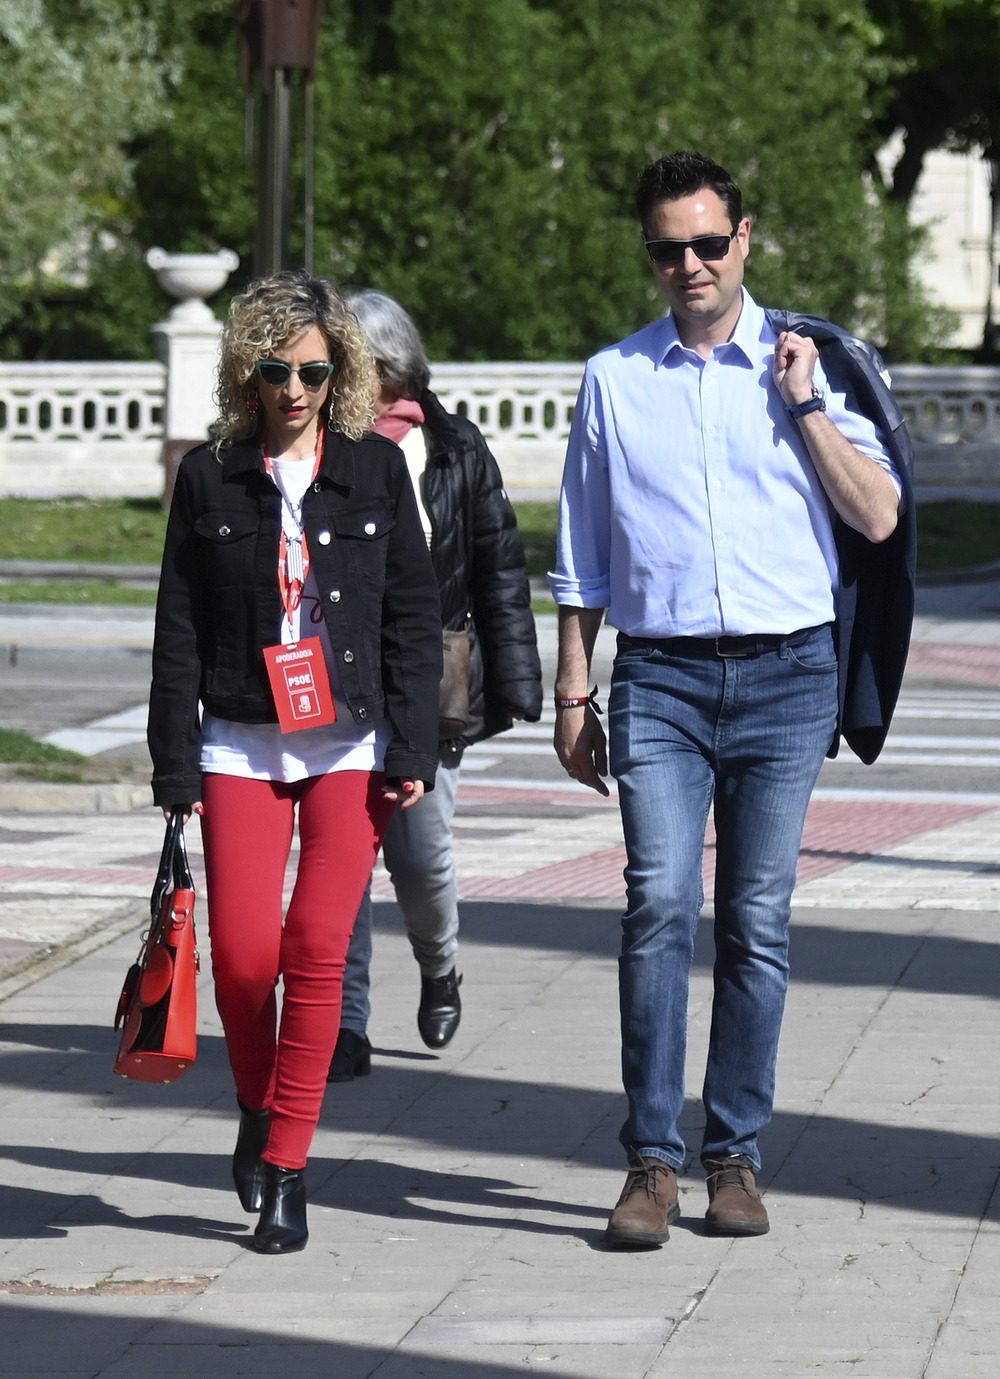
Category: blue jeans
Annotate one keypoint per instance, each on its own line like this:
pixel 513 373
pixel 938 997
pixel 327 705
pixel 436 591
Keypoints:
pixel 750 734
pixel 417 853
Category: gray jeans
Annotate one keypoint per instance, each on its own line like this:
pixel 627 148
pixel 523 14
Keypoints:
pixel 417 853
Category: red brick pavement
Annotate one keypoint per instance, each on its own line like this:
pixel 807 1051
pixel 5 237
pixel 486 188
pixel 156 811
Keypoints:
pixel 837 834
pixel 98 878
pixel 955 661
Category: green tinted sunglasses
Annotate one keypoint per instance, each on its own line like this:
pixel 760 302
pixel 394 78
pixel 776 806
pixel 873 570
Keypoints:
pixel 311 376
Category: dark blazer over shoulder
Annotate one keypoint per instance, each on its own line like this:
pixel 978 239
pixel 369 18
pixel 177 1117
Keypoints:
pixel 219 605
pixel 875 599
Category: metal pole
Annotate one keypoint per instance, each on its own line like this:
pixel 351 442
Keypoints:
pixel 274 209
pixel 991 336
pixel 308 229
pixel 279 37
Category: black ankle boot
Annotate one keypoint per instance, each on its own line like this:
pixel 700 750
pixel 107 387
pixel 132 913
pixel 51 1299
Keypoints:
pixel 440 1009
pixel 250 1145
pixel 282 1226
pixel 351 1058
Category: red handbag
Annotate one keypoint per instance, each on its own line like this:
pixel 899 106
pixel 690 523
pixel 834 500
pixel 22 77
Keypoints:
pixel 159 1000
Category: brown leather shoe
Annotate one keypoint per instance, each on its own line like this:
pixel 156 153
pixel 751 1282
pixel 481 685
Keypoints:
pixel 646 1207
pixel 734 1205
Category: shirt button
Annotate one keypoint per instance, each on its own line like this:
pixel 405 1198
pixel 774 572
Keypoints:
pixel 362 713
pixel 370 529
pixel 223 531
pixel 324 538
pixel 334 595
pixel 348 656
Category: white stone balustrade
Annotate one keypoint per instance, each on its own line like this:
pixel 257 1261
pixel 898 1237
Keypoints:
pixel 953 415
pixel 945 405
pixel 523 410
pixel 96 429
pixel 93 429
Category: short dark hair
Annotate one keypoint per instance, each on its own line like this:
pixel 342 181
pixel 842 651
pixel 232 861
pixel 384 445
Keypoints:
pixel 683 174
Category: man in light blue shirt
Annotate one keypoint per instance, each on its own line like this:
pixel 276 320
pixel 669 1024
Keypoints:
pixel 708 463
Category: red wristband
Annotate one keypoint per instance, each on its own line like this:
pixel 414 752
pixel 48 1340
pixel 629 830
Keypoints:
pixel 581 703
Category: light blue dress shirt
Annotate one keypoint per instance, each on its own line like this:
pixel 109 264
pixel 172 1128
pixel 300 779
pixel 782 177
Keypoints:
pixel 690 506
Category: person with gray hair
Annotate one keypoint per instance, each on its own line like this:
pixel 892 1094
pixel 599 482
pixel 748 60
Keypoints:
pixel 476 551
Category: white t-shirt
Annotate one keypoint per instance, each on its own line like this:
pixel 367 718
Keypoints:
pixel 261 751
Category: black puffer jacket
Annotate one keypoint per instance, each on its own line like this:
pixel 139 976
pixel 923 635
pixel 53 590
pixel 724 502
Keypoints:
pixel 479 562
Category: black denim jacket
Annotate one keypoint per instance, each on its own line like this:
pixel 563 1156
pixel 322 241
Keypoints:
pixel 219 605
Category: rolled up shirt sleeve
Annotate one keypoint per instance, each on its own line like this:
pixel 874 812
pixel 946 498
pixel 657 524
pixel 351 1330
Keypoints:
pixel 860 430
pixel 582 577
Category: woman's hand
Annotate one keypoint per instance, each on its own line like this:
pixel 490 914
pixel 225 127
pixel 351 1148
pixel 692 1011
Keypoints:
pixel 189 809
pixel 404 789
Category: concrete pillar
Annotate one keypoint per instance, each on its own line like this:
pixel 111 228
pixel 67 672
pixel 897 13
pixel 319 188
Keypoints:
pixel 187 342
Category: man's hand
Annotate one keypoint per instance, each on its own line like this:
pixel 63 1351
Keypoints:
pixel 579 738
pixel 795 359
pixel 582 747
pixel 860 490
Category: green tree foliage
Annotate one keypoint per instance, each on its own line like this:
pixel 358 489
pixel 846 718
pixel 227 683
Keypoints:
pixel 503 215
pixel 76 83
pixel 477 161
pixel 942 80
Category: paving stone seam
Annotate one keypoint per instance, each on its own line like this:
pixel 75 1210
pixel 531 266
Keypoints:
pixel 993 1202
pixel 39 965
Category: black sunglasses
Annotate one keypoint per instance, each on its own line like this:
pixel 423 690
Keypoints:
pixel 709 248
pixel 311 376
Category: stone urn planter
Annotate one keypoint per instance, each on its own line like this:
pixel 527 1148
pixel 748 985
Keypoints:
pixel 191 278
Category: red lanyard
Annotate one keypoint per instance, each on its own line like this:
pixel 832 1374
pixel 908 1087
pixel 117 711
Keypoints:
pixel 293 558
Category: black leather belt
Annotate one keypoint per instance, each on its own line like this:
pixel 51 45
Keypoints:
pixel 718 647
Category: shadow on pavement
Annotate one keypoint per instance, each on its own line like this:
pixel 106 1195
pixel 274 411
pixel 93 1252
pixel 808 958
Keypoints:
pixel 940 1171
pixel 40 1336
pixel 820 953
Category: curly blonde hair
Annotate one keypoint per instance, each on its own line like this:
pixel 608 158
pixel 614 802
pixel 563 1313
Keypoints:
pixel 271 311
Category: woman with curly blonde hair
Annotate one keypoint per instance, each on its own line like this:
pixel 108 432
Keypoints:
pixel 270 312
pixel 296 666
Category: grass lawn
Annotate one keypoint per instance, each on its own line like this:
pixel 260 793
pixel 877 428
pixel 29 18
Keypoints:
pixel 957 535
pixel 116 531
pixel 39 760
pixel 953 535
pixel 76 591
pixel 537 525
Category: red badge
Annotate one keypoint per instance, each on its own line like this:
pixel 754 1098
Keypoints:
pixel 300 684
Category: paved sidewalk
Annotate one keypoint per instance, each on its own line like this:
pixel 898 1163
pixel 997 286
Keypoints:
pixel 457 1199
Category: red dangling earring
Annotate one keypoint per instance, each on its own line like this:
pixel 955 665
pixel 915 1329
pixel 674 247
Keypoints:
pixel 253 404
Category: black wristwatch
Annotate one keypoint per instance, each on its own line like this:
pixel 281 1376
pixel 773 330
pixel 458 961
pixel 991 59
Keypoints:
pixel 816 403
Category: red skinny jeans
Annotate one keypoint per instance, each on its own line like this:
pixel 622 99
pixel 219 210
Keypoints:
pixel 247 828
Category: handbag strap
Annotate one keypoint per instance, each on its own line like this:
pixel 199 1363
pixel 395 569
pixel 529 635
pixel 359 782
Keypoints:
pixel 173 868
pixel 470 538
pixel 183 880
